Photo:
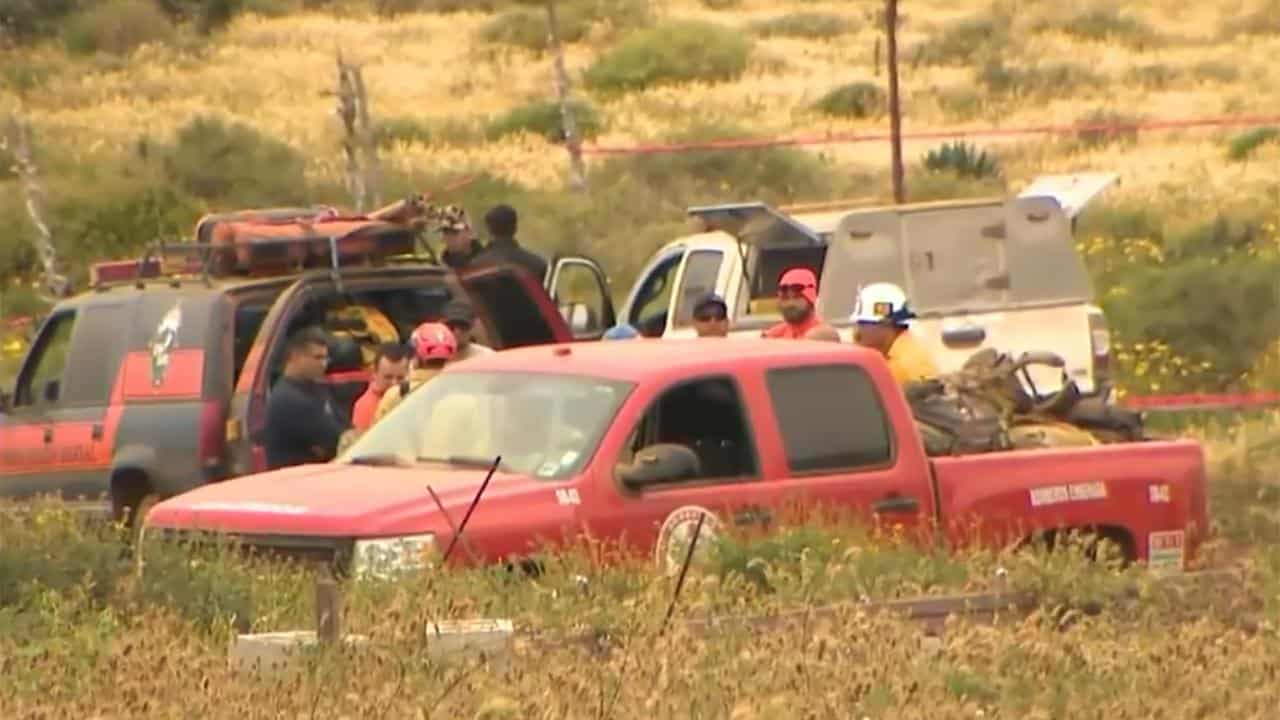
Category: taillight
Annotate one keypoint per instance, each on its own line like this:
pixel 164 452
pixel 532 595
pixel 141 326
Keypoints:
pixel 1100 347
pixel 213 434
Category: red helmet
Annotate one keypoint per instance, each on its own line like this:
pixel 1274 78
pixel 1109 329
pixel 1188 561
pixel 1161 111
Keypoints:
pixel 433 341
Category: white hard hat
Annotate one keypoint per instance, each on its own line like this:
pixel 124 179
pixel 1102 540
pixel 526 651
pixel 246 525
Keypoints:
pixel 880 303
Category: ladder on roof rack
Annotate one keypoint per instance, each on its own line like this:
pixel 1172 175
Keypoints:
pixel 202 259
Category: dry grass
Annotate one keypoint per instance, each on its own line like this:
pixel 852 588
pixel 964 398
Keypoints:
pixel 83 637
pixel 429 68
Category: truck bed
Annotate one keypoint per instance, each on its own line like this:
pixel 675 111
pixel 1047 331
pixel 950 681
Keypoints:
pixel 1138 488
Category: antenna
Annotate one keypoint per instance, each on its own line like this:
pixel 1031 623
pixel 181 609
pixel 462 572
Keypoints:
pixel 466 518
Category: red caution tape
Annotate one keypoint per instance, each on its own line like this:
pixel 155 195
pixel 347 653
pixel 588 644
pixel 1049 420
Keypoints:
pixel 1207 401
pixel 850 138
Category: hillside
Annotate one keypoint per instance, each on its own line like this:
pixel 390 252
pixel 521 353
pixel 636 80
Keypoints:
pixel 143 122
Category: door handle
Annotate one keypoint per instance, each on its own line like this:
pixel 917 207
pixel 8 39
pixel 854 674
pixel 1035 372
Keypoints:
pixel 96 433
pixel 896 504
pixel 48 435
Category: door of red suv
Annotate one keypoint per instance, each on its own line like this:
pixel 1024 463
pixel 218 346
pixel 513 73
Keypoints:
pixel 513 306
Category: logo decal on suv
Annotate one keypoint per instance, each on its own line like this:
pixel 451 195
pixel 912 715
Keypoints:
pixel 677 533
pixel 162 343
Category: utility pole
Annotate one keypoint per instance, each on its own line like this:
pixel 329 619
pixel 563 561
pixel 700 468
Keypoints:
pixel 19 142
pixel 577 172
pixel 895 108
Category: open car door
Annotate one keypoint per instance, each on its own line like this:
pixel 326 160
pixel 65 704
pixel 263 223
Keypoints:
pixel 1071 191
pixel 769 242
pixel 512 306
pixel 579 290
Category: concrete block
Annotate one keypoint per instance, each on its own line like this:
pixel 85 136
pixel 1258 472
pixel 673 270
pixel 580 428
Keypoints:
pixel 446 641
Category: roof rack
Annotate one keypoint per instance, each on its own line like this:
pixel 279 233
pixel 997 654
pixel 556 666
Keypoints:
pixel 206 261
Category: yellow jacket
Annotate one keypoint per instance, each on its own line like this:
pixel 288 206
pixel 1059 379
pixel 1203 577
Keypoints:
pixel 909 361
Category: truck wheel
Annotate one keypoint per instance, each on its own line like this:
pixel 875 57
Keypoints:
pixel 132 498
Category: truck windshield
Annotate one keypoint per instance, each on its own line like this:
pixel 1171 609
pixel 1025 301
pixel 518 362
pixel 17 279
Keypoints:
pixel 543 425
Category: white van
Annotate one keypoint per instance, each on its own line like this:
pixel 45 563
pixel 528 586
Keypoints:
pixel 996 272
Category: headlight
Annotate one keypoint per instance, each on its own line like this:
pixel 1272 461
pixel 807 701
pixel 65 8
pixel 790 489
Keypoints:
pixel 387 557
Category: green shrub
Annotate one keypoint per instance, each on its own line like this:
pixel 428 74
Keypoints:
pixel 1242 146
pixel 1107 127
pixel 1214 71
pixel 673 52
pixel 543 118
pixel 966 41
pixel 1038 81
pixel 234 165
pixel 964 103
pixel 1156 77
pixel 22 21
pixel 48 547
pixel 117 27
pixel 527 27
pixel 1263 19
pixel 205 16
pixel 804 25
pixel 1102 24
pixel 856 100
pixel 962 159
pixel 924 185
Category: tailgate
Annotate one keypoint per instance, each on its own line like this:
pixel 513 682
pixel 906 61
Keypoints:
pixel 1154 491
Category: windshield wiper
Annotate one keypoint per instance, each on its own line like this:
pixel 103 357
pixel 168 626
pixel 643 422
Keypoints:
pixel 384 460
pixel 464 461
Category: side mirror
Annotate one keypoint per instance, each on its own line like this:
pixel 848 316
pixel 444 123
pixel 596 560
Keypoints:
pixel 667 462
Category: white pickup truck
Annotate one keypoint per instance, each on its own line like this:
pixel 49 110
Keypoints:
pixel 1001 272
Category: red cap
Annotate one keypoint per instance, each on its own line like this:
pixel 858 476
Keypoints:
pixel 805 278
pixel 433 341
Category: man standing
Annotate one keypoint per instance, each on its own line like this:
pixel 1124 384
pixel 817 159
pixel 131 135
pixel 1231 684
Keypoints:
pixel 881 318
pixel 503 249
pixel 711 316
pixel 798 301
pixel 389 369
pixel 460 244
pixel 302 425
pixel 460 318
pixel 433 346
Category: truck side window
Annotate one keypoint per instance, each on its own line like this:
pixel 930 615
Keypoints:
pixel 649 309
pixel 100 345
pixel 830 418
pixel 701 268
pixel 40 380
pixel 706 415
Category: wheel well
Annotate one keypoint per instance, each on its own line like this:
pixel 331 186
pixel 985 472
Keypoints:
pixel 1120 536
pixel 128 487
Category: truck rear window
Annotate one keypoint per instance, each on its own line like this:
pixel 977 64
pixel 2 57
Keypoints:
pixel 830 418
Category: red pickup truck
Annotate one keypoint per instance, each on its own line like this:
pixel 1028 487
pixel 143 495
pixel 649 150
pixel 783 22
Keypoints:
pixel 635 440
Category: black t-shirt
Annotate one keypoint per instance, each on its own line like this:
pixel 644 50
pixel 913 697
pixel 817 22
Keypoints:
pixel 459 260
pixel 502 251
pixel 302 424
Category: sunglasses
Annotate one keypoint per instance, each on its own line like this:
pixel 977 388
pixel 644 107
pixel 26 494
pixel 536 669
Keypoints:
pixel 792 289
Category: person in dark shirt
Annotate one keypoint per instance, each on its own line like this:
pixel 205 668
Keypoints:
pixel 501 220
pixel 302 424
pixel 460 243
